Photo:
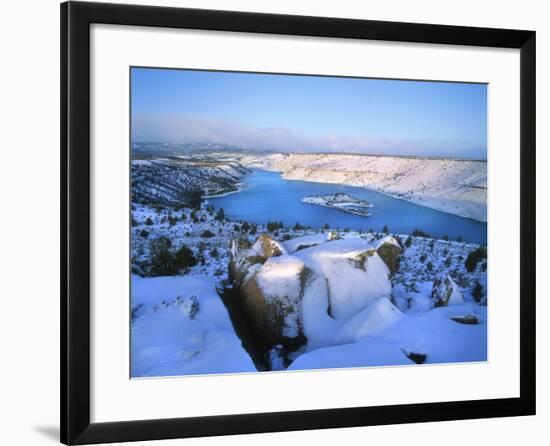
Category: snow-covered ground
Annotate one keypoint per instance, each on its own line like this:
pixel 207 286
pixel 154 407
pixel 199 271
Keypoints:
pixel 181 327
pixel 352 310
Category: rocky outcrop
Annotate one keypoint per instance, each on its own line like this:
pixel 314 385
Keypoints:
pixel 389 250
pixel 270 284
pixel 272 297
pixel 445 291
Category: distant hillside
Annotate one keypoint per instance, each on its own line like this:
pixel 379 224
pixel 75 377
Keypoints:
pixel 451 185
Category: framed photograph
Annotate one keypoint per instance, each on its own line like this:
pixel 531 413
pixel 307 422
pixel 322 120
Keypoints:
pixel 275 223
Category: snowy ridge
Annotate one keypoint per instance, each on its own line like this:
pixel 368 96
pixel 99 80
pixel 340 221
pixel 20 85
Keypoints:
pixel 450 185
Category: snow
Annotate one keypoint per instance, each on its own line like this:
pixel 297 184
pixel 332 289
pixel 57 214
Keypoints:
pixel 259 249
pixel 367 352
pixel 305 241
pixel 280 276
pixel 351 285
pixel 376 318
pixel 167 341
pixel 138 162
pixel 387 239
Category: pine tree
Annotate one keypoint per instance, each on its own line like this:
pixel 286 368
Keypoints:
pixel 220 215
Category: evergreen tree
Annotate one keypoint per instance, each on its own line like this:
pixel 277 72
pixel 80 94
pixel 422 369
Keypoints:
pixel 477 292
pixel 474 257
pixel 220 215
pixel 195 198
pixel 184 258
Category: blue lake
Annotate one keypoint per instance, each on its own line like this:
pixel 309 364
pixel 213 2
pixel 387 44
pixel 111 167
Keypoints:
pixel 267 196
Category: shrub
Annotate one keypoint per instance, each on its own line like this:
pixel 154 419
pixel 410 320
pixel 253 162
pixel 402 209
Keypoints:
pixel 214 253
pixel 220 215
pixel 408 242
pixel 326 226
pixel 162 261
pixel 474 257
pixel 272 226
pixel 134 222
pixel 445 237
pixel 195 198
pixel 253 230
pixel 207 234
pixel 459 239
pixel 422 258
pixel 419 233
pixel 184 258
pixel 149 222
pixel 245 227
pixel 429 266
pixel 477 291
pixel 165 262
pixel 143 233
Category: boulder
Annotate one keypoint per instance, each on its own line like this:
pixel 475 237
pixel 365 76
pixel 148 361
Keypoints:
pixel 389 250
pixel 445 291
pixel 271 295
pixel 266 247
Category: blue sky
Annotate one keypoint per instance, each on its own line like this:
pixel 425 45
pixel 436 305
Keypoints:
pixel 307 113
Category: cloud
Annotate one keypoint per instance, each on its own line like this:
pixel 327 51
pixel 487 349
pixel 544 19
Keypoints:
pixel 186 128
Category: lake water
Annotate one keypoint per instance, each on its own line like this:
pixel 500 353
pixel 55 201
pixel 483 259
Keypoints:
pixel 267 196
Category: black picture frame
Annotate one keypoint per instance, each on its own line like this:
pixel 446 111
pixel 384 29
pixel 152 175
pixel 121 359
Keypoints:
pixel 76 18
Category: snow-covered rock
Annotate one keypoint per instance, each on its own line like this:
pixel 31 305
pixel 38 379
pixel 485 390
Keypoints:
pixel 376 318
pixel 389 250
pixel 272 296
pixel 182 328
pixel 354 273
pixel 445 291
pixel 306 241
pixel 266 247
